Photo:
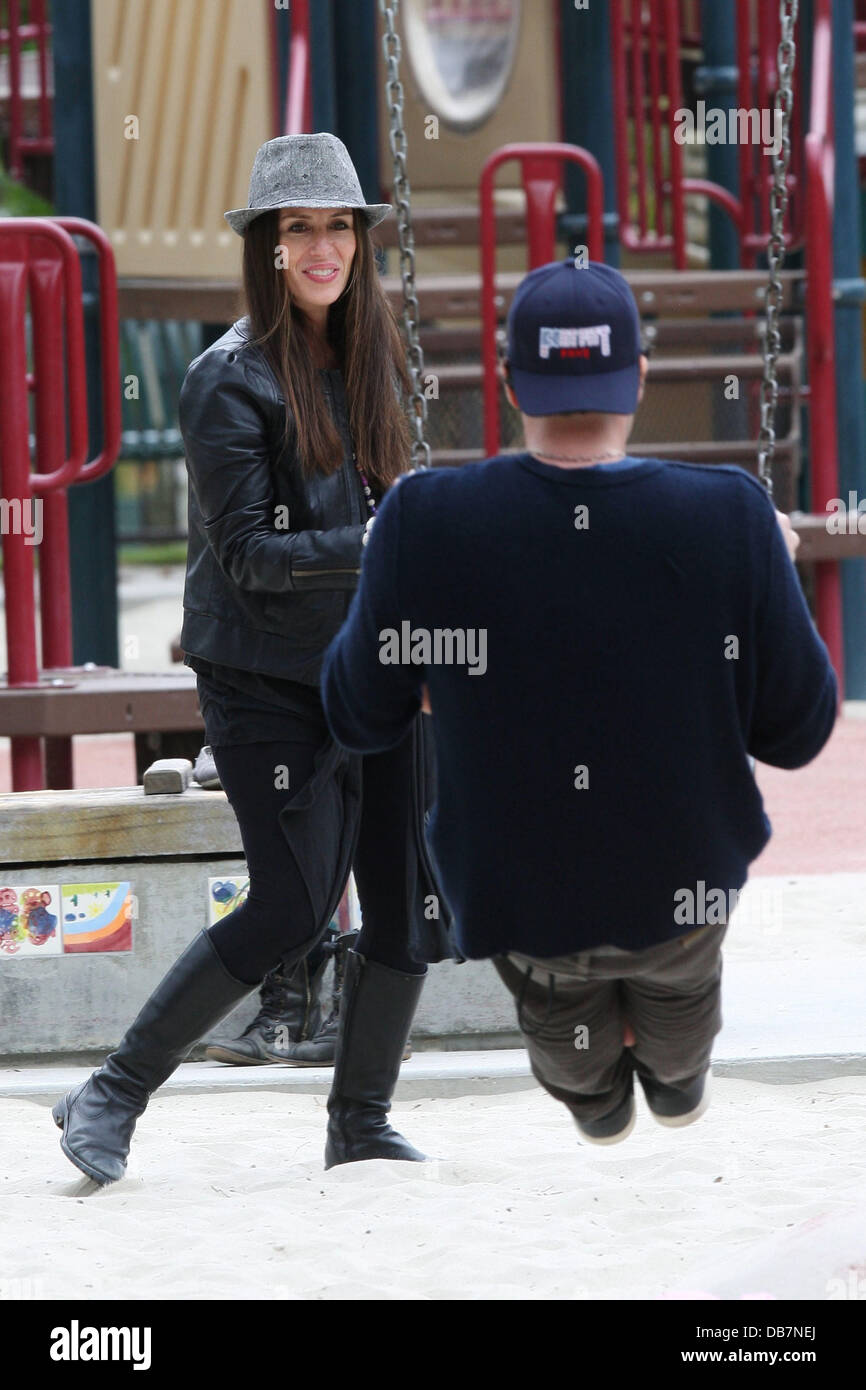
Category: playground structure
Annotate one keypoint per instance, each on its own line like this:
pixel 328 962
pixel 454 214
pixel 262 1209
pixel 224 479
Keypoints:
pixel 174 259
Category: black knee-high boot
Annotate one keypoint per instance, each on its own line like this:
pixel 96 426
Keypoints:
pixel 376 1013
pixel 98 1117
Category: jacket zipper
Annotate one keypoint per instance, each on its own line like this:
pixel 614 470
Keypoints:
pixel 349 571
pixel 351 494
pixel 347 495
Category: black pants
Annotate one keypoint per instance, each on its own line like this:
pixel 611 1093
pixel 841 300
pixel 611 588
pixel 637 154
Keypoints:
pixel 277 914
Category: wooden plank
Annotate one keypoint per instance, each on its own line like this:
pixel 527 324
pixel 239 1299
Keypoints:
pixel 459 296
pixel 454 227
pixel 817 543
pixel 665 335
pixel 453 296
pixel 202 301
pixel 469 375
pixel 115 823
pixel 706 292
pixel 681 333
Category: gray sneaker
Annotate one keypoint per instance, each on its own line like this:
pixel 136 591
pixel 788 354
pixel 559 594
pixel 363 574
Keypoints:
pixel 205 770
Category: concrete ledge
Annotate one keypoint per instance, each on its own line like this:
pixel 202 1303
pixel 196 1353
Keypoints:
pixel 426 1074
pixel 47 827
pixel 791 1071
pixel 61 1005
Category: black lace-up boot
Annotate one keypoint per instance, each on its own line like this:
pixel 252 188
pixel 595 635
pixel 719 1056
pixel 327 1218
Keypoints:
pixel 320 1048
pixel 290 1014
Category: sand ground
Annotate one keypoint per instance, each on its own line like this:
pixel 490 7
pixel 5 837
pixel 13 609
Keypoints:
pixel 226 1197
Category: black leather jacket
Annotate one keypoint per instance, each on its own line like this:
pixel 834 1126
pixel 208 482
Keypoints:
pixel 266 590
pixel 273 556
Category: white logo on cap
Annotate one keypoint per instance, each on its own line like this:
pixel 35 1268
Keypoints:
pixel 596 336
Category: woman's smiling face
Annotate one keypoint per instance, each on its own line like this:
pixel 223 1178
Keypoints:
pixel 319 248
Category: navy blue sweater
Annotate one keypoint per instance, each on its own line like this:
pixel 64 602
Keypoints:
pixel 645 629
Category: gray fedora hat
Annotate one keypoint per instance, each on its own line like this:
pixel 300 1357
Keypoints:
pixel 304 171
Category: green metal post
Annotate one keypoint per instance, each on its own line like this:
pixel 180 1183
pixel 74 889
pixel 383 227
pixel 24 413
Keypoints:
pixel 92 541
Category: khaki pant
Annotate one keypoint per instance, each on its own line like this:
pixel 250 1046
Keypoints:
pixel 572 1012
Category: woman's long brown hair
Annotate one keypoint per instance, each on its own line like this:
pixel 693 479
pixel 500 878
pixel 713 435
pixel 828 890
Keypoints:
pixel 364 334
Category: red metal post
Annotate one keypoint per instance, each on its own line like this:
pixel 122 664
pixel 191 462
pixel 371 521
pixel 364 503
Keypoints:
pixel 22 661
pixel 675 102
pixel 823 436
pixel 39 254
pixel 46 309
pixel 54 572
pixel 541 170
pixel 620 118
pixel 638 107
pixel 299 100
pixel 744 154
pixel 655 88
pixel 109 349
pixel 276 113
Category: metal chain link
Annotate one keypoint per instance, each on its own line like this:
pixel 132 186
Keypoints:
pixel 785 60
pixel 402 198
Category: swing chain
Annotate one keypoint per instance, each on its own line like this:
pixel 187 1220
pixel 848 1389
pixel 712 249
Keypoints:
pixel 402 198
pixel 786 55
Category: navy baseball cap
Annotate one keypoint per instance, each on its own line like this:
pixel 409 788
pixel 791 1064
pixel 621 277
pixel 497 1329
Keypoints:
pixel 574 340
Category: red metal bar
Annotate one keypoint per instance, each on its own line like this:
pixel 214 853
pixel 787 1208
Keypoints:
pixel 276 113
pixel 46 311
pixel 823 437
pixel 54 570
pixel 768 33
pixel 675 102
pixel 638 108
pixel 654 62
pixel 109 347
pixel 299 99
pixel 15 236
pixel 768 44
pixel 43 251
pixel 744 99
pixel 620 118
pixel 717 194
pixel 538 163
pixel 15 463
pixel 22 661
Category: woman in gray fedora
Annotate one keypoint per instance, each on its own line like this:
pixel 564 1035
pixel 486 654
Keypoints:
pixel 293 431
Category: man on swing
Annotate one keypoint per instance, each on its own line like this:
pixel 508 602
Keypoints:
pixel 646 634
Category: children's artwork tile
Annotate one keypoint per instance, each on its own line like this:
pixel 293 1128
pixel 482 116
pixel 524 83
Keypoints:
pixel 97 918
pixel 29 922
pixel 224 895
